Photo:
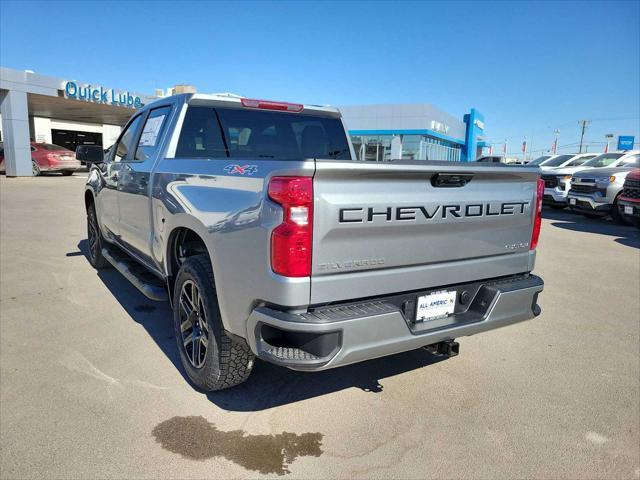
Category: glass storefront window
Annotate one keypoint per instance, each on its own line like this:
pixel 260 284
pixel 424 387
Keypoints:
pixel 377 148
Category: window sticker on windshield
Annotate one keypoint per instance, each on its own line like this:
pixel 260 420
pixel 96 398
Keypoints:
pixel 151 131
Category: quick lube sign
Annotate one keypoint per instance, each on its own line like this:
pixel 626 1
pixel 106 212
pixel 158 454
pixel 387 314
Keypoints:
pixel 99 94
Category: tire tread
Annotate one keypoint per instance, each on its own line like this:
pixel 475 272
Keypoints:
pixel 235 361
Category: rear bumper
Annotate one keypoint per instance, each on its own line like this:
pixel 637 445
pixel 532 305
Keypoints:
pixel 56 166
pixel 341 335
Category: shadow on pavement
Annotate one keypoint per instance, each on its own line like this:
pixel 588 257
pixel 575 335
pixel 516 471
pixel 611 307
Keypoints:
pixel 269 385
pixel 626 235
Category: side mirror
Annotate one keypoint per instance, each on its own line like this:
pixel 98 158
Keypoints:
pixel 90 153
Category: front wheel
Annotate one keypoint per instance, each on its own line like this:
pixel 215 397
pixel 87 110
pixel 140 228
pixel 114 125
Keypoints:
pixel 210 358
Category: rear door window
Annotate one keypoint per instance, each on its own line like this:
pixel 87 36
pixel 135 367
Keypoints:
pixel 210 132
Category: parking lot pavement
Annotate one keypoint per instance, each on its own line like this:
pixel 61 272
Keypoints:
pixel 90 384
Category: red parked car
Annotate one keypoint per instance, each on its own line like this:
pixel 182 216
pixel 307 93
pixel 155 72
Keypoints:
pixel 47 157
pixel 629 199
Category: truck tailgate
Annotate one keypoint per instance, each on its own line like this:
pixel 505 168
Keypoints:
pixel 383 228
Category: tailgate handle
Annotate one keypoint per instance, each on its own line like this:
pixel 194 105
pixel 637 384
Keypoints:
pixel 448 180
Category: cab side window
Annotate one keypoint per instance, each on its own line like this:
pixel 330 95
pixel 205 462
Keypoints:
pixel 152 133
pixel 125 143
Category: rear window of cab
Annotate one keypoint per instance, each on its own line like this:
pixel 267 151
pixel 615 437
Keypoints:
pixel 209 132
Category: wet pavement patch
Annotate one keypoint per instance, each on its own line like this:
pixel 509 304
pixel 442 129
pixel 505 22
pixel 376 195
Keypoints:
pixel 197 439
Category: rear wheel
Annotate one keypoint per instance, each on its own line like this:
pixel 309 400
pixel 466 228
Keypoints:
pixel 210 358
pixel 35 168
pixel 95 239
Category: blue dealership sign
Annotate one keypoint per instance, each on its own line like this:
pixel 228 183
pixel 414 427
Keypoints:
pixel 625 142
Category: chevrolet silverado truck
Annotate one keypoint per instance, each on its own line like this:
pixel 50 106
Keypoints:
pixel 595 191
pixel 270 240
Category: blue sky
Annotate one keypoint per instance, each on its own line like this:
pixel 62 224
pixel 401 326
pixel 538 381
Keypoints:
pixel 529 67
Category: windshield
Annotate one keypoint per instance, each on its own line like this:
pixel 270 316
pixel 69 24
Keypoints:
pixel 539 160
pixel 557 161
pixel 209 132
pixel 631 161
pixel 603 160
pixel 580 160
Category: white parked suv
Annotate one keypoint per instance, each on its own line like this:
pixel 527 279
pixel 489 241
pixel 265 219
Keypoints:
pixel 557 181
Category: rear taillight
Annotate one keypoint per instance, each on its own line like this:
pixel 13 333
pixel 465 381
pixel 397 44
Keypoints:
pixel 291 240
pixel 537 221
pixel 269 105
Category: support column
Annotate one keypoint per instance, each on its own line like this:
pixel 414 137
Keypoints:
pixel 15 133
pixel 475 128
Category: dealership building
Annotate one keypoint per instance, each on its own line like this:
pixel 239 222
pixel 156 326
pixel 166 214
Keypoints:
pixel 69 112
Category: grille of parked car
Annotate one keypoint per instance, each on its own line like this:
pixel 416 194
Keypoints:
pixel 631 188
pixel 577 188
pixel 550 181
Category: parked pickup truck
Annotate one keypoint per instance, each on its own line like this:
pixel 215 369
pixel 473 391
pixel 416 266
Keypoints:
pixel 269 239
pixel 595 192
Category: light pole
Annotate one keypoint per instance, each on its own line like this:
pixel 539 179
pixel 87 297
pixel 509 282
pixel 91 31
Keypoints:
pixel 555 141
pixel 585 124
pixel 608 137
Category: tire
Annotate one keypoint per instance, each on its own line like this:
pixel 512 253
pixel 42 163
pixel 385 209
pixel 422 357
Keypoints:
pixel 66 173
pixel 35 168
pixel 95 240
pixel 619 217
pixel 224 363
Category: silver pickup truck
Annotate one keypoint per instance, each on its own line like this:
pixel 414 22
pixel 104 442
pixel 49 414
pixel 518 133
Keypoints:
pixel 269 239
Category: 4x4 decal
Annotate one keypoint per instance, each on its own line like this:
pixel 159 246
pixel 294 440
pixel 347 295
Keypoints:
pixel 233 168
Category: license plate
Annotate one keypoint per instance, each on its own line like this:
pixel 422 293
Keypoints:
pixel 628 210
pixel 572 201
pixel 435 305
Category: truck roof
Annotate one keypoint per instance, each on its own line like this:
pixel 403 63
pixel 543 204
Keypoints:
pixel 235 101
